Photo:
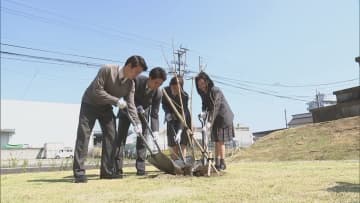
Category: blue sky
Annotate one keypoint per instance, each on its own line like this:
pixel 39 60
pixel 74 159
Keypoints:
pixel 258 45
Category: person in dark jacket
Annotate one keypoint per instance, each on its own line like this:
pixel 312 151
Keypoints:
pixel 147 97
pixel 176 133
pixel 219 115
pixel 113 86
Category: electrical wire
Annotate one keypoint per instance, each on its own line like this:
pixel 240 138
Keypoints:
pixel 58 52
pixel 261 92
pixel 67 21
pixel 88 64
pixel 285 85
pixel 229 82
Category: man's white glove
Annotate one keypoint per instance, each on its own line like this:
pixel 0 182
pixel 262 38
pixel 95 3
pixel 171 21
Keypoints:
pixel 168 117
pixel 122 103
pixel 178 136
pixel 138 129
pixel 156 135
pixel 206 126
pixel 203 115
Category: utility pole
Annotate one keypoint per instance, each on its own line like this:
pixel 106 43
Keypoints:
pixel 286 123
pixel 200 65
pixel 317 99
pixel 181 60
pixel 357 59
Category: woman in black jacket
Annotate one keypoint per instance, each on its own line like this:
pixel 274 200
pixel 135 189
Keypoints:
pixel 219 116
pixel 174 135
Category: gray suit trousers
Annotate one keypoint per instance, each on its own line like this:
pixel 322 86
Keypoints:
pixel 123 128
pixel 88 115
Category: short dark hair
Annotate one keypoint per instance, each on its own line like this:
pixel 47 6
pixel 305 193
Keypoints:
pixel 173 81
pixel 136 60
pixel 158 73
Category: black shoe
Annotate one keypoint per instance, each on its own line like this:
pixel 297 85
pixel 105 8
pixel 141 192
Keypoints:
pixel 217 164
pixel 114 176
pixel 81 179
pixel 222 164
pixel 119 172
pixel 140 173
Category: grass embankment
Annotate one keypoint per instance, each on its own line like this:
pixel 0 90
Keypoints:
pixel 333 140
pixel 299 181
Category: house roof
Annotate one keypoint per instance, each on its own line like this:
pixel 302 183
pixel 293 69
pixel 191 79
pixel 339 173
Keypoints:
pixel 300 119
pixel 352 89
pixel 12 131
pixel 302 115
pixel 266 132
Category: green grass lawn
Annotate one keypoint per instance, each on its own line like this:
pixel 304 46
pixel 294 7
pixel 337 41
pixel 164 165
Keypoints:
pixel 288 181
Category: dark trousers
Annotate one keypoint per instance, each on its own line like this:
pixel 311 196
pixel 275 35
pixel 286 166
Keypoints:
pixel 88 115
pixel 123 129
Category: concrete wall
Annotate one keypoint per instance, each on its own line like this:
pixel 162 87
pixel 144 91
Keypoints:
pixel 348 105
pixel 340 110
pixel 31 153
pixel 348 95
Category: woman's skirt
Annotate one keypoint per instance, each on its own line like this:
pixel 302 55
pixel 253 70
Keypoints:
pixel 222 134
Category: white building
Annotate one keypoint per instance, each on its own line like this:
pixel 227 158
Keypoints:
pixel 5 136
pixel 243 136
pixel 37 123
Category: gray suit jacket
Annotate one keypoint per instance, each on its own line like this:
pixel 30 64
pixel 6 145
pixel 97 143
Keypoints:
pixel 107 88
pixel 150 100
pixel 218 108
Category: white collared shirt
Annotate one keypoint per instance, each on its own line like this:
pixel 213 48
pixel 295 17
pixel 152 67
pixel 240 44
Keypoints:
pixel 122 75
pixel 147 89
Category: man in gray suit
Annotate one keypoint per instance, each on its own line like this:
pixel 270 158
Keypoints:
pixel 113 86
pixel 147 96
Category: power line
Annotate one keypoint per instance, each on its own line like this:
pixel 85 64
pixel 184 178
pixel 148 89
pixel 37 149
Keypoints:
pixel 97 65
pixel 229 82
pixel 261 92
pixel 241 82
pixel 285 85
pixel 66 21
pixel 62 60
pixel 58 52
pixel 88 64
pixel 29 60
pixel 44 75
pixel 132 35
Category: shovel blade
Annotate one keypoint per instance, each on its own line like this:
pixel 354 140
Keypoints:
pixel 164 163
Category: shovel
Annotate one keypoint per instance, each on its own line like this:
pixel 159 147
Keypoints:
pixel 204 135
pixel 158 159
pixel 178 142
